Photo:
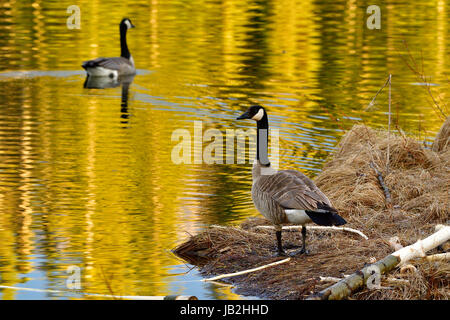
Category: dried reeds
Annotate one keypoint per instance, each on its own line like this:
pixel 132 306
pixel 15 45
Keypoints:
pixel 442 140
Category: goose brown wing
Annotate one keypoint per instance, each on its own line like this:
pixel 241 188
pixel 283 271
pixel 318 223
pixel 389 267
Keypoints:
pixel 321 197
pixel 292 189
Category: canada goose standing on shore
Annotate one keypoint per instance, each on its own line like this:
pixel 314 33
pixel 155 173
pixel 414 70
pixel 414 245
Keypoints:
pixel 117 66
pixel 285 196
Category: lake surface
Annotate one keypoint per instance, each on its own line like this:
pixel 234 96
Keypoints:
pixel 87 177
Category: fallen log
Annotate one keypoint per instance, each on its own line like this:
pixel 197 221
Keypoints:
pixel 390 280
pixel 346 286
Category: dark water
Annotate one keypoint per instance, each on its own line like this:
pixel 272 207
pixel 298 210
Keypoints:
pixel 86 175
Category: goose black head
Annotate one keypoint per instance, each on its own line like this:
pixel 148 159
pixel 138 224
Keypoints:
pixel 254 113
pixel 126 23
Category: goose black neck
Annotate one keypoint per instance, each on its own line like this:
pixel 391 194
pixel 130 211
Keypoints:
pixel 262 141
pixel 124 52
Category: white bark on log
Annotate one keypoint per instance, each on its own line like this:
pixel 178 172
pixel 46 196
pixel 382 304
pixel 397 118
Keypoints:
pixel 418 249
pixel 346 286
pixel 390 280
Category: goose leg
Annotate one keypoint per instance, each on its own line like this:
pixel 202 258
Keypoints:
pixel 303 249
pixel 280 251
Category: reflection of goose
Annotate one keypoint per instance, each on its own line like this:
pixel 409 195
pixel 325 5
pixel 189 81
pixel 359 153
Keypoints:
pixel 285 196
pixel 106 82
pixel 117 66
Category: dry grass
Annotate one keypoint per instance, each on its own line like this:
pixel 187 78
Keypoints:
pixel 418 180
pixel 442 140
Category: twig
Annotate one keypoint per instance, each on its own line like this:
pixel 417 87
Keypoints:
pixel 387 194
pixel 388 82
pixel 319 228
pixel 389 127
pixel 346 286
pixel 330 228
pixel 378 92
pixel 329 279
pixel 420 75
pixel 247 271
pixel 397 281
pixel 107 282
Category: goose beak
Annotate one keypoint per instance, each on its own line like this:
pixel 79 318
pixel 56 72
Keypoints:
pixel 133 26
pixel 245 115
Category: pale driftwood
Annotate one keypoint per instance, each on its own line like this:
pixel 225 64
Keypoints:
pixel 419 248
pixel 346 286
pixel 169 297
pixel 390 280
pixel 330 279
pixel 439 257
pixel 397 281
pixel 228 275
pixel 332 228
pixel 395 244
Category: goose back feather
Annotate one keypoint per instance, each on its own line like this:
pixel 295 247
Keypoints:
pixel 278 191
pixel 121 65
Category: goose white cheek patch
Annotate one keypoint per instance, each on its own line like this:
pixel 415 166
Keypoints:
pixel 259 115
pixel 128 24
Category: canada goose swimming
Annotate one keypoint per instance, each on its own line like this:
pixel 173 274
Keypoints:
pixel 117 66
pixel 285 196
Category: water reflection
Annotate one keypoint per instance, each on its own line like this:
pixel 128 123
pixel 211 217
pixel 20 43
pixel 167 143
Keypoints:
pixel 109 82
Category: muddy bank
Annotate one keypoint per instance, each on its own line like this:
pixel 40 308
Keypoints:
pixel 417 180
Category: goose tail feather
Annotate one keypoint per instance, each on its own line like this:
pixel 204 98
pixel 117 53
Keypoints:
pixel 325 215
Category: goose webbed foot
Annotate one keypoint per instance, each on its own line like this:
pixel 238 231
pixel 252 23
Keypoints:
pixel 303 249
pixel 298 252
pixel 290 246
pixel 279 253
